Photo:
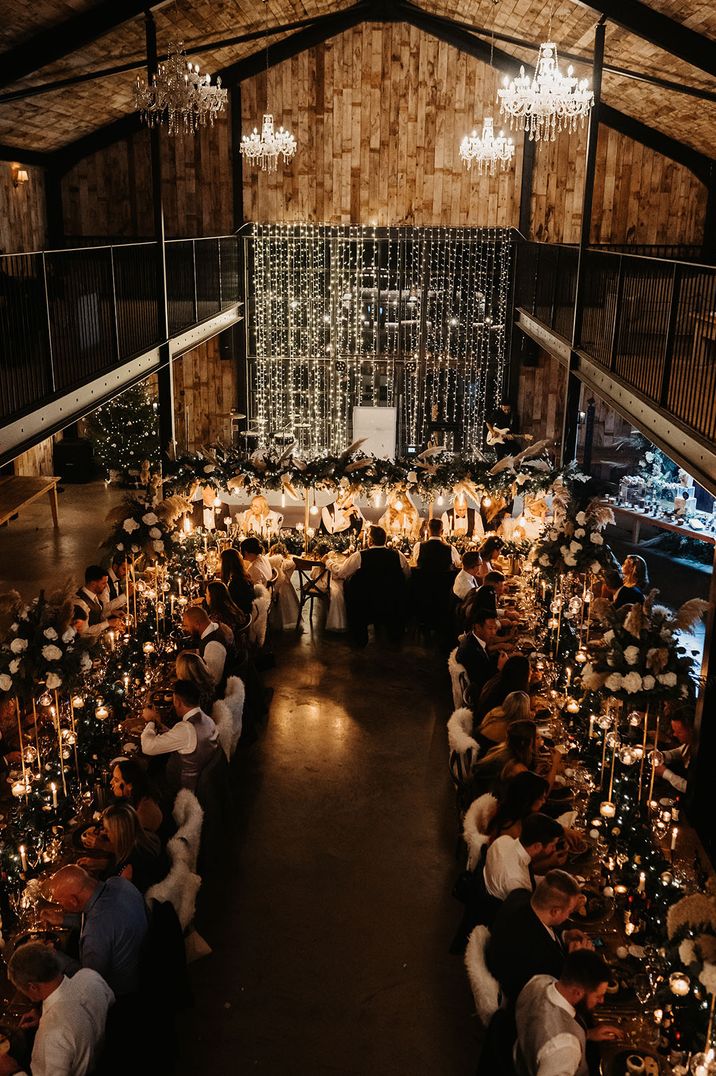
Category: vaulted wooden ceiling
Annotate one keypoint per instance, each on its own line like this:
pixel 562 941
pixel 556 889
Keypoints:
pixel 31 33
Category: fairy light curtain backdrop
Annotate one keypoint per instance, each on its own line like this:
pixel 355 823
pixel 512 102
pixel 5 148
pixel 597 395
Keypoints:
pixel 341 316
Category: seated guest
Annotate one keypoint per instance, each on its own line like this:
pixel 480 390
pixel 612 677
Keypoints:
pixel 675 766
pixel 113 924
pixel 189 666
pixel 191 742
pixel 70 1014
pixel 551 1018
pixel 79 620
pixel 489 552
pixel 525 939
pixel 520 797
pixel 136 855
pixel 223 609
pixel 473 652
pixel 237 579
pixel 636 579
pixel 260 519
pixel 89 597
pixel 9 732
pixel 115 596
pixel 517 754
pixel 342 516
pixel 211 644
pixel 435 554
pixel 468 578
pixel 129 782
pixel 610 580
pixel 259 566
pixel 513 676
pixel 508 864
pixel 496 722
pixel 376 590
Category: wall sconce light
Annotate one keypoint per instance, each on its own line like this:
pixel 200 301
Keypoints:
pixel 19 175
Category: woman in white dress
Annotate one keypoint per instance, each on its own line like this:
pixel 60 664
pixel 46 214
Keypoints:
pixel 336 618
pixel 286 601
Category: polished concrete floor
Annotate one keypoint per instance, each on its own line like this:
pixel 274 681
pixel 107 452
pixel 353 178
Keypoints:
pixel 331 919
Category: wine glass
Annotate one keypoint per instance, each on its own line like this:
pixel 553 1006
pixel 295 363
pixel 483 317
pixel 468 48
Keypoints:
pixel 644 989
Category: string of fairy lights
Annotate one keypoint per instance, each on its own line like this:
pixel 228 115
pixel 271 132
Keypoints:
pixel 348 315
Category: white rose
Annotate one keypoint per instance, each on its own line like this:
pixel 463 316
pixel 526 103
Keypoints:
pixel 155 532
pixel 50 633
pixel 632 682
pixel 85 662
pixel 687 951
pixel 18 645
pixel 608 636
pixel 613 682
pixel 596 567
pixel 631 655
pixel 707 976
pixel 5 682
pixel 580 532
pixel 53 681
pixel 150 519
pixel 120 545
pixel 581 518
pixel 14 665
pixel 570 560
pixel 158 547
pixel 51 653
pixel 130 525
pixel 209 468
pixel 574 547
pixel 667 679
pixel 648 682
pixel 596 539
pixel 649 457
pixel 68 635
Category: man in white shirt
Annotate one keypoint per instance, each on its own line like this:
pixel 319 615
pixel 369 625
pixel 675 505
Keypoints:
pixel 192 741
pixel 211 644
pixel 114 597
pixel 70 1026
pixel 468 578
pixel 90 598
pixel 675 766
pixel 257 563
pixel 509 859
pixel 551 1031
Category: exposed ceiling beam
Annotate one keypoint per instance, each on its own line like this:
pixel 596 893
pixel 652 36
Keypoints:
pixel 447 31
pixel 67 37
pixel 660 30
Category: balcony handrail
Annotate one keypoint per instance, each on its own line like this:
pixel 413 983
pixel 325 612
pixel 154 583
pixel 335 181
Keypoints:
pixel 112 246
pixel 625 254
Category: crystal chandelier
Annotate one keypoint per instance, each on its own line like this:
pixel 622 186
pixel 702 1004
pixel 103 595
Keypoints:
pixel 487 150
pixel 181 94
pixel 264 150
pixel 550 101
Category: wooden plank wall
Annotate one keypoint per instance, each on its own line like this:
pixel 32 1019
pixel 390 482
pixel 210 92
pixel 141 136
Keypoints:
pixel 205 390
pixel 22 210
pixel 109 193
pixel 378 113
pixel 37 460
pixel 639 195
pixel 540 399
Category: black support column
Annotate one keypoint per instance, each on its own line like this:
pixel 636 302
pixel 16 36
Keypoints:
pixel 165 376
pixel 570 427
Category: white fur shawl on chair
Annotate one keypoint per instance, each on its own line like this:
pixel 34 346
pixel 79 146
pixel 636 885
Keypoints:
pixel 474 830
pixel 485 988
pixel 189 817
pixel 227 715
pixel 458 678
pixel 259 621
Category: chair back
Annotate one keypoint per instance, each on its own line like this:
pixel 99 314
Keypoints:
pixel 310 585
pixel 463 746
pixel 485 987
pixel 459 680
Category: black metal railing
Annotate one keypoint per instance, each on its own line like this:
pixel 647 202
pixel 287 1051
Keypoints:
pixel 650 321
pixel 69 316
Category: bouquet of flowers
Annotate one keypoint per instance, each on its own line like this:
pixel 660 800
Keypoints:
pixel 691 927
pixel 642 654
pixel 573 541
pixel 40 647
pixel 144 524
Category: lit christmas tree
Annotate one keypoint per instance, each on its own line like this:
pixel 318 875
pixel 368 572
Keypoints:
pixel 125 433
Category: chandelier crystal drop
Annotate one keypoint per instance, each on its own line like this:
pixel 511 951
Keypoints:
pixel 548 102
pixel 263 150
pixel 180 94
pixel 486 151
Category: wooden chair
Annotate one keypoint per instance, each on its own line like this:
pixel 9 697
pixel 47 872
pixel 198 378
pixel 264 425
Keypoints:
pixel 312 587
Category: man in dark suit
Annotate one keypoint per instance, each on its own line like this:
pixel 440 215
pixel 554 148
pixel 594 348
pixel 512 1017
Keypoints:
pixel 473 651
pixel 525 939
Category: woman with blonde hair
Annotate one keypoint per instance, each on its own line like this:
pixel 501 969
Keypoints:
pixel 495 724
pixel 516 755
pixel 190 666
pixel 635 576
pixel 138 855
